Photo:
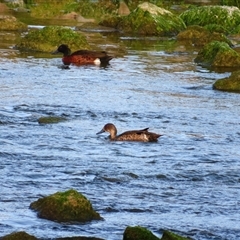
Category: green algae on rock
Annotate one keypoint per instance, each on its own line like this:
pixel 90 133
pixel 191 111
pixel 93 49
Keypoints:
pixel 228 18
pixel 69 206
pixel 218 54
pixel 18 236
pixel 229 84
pixel 50 37
pixel 147 19
pixel 167 235
pixel 51 119
pixel 10 23
pixel 199 36
pixel 139 233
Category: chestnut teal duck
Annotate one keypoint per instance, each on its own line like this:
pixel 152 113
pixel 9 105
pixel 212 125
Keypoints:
pixel 142 135
pixel 83 57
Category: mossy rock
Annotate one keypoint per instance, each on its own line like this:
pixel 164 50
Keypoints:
pixel 69 206
pixel 218 54
pixel 50 37
pixel 229 84
pixel 149 19
pixel 51 119
pixel 138 233
pixel 199 36
pixel 167 235
pixel 227 18
pixel 18 236
pixel 10 23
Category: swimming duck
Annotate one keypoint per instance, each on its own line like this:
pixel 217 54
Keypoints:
pixel 82 57
pixel 134 135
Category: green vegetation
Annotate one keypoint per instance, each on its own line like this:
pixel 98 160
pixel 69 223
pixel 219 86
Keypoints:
pixel 226 18
pixel 167 235
pixel 139 233
pixel 199 36
pixel 49 38
pixel 218 54
pixel 229 84
pixel 69 206
pixel 147 19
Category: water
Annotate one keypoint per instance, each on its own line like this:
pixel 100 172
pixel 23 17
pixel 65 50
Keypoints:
pixel 188 182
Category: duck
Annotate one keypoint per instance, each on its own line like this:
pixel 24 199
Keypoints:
pixel 83 57
pixel 142 135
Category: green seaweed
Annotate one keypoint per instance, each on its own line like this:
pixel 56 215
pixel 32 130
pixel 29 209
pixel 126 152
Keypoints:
pixel 227 18
pixel 69 206
pixel 218 54
pixel 50 37
pixel 229 84
pixel 139 233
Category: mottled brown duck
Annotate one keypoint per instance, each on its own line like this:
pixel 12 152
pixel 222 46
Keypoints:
pixel 142 135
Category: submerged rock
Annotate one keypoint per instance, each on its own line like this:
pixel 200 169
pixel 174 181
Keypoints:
pixel 50 119
pixel 229 84
pixel 147 19
pixel 50 37
pixel 10 23
pixel 200 36
pixel 226 18
pixel 18 236
pixel 138 233
pixel 69 206
pixel 218 54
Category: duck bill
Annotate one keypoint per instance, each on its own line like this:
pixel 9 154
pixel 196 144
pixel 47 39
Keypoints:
pixel 101 131
pixel 56 52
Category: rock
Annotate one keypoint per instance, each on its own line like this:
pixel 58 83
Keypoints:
pixel 51 119
pixel 138 233
pixel 167 235
pixel 199 36
pixel 147 19
pixel 218 54
pixel 50 37
pixel 10 23
pixel 69 206
pixel 229 84
pixel 123 9
pixel 18 236
pixel 227 18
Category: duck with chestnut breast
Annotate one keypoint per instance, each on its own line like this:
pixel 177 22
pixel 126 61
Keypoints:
pixel 82 57
pixel 142 135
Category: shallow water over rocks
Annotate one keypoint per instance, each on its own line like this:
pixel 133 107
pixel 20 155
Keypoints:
pixel 188 182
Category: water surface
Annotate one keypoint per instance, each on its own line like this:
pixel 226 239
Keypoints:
pixel 188 182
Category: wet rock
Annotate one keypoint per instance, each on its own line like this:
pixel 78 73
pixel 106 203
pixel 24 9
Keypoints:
pixel 147 19
pixel 10 23
pixel 50 37
pixel 51 119
pixel 218 54
pixel 69 206
pixel 79 238
pixel 18 236
pixel 221 17
pixel 229 84
pixel 167 235
pixel 199 36
pixel 138 233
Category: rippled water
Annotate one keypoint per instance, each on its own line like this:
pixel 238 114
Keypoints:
pixel 188 182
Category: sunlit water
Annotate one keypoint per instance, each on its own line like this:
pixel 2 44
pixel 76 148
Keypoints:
pixel 188 182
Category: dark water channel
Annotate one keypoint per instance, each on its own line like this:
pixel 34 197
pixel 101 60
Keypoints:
pixel 188 182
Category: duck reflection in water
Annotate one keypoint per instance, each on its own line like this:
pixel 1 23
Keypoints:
pixel 142 135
